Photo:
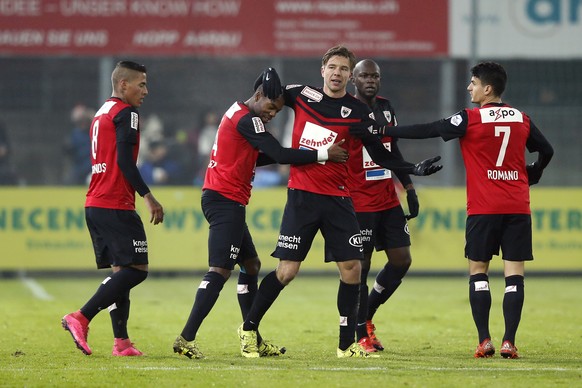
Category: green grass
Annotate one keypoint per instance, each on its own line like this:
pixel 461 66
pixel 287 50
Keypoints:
pixel 426 327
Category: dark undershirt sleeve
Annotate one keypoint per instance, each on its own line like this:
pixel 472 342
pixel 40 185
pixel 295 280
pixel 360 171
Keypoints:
pixel 380 155
pixel 537 142
pixel 403 177
pixel 274 152
pixel 450 128
pixel 126 138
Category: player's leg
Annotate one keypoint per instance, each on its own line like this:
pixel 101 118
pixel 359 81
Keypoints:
pixel 361 326
pixel 119 314
pixel 116 231
pixel 343 244
pixel 482 237
pixel 366 221
pixel 347 300
pixel 393 237
pixel 517 248
pixel 513 299
pixel 270 288
pixel 480 301
pixel 248 277
pixel 226 219
pixel 298 228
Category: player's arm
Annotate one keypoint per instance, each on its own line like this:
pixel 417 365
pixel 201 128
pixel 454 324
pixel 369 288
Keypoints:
pixel 381 156
pixel 452 127
pixel 252 128
pixel 404 178
pixel 126 138
pixel 537 142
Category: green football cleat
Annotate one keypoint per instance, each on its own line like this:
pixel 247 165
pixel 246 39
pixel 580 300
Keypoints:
pixel 188 349
pixel 248 343
pixel 267 349
pixel 355 350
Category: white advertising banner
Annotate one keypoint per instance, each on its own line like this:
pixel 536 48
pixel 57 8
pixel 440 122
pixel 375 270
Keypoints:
pixel 517 29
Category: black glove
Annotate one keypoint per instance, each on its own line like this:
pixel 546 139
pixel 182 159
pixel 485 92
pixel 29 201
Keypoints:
pixel 271 83
pixel 534 173
pixel 426 167
pixel 413 205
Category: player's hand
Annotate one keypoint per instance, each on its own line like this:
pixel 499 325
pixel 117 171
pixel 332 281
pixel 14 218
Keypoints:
pixel 271 83
pixel 426 167
pixel 413 204
pixel 155 208
pixel 534 173
pixel 336 153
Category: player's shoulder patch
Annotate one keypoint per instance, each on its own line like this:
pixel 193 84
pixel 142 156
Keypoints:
pixel 455 119
pixel 134 120
pixel 258 125
pixel 312 94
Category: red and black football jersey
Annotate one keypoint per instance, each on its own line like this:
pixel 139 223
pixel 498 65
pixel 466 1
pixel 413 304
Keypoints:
pixel 114 122
pixel 239 139
pixel 493 141
pixel 321 121
pixel 371 186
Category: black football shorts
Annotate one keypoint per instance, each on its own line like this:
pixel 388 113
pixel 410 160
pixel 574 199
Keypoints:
pixel 485 234
pixel 118 237
pixel 229 239
pixel 306 213
pixel 384 229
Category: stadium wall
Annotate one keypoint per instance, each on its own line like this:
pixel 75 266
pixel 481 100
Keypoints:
pixel 43 228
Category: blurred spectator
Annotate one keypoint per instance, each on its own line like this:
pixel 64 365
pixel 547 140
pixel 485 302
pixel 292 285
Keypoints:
pixel 7 175
pixel 78 147
pixel 159 167
pixel 151 131
pixel 205 142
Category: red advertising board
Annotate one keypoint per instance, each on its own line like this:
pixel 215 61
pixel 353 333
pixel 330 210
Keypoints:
pixel 285 28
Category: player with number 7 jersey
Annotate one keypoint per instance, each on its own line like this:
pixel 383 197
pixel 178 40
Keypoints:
pixel 493 138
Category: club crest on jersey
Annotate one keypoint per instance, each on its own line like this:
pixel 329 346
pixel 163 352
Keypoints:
pixel 345 112
pixel 134 120
pixel 312 94
pixel 258 124
pixel 388 115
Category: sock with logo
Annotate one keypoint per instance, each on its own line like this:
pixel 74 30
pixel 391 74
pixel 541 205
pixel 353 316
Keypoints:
pixel 268 292
pixel 111 288
pixel 512 305
pixel 480 300
pixel 206 296
pixel 119 313
pixel 347 305
pixel 387 281
pixel 246 291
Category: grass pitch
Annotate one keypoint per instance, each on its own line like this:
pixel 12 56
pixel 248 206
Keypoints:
pixel 426 328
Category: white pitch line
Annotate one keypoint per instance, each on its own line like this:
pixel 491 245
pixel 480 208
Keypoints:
pixel 37 290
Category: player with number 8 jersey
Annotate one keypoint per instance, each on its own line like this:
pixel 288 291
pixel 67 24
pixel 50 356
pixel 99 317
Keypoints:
pixel 117 232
